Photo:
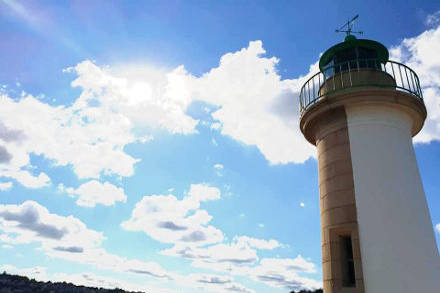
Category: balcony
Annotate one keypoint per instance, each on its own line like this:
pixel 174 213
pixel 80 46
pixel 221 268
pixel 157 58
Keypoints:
pixel 358 73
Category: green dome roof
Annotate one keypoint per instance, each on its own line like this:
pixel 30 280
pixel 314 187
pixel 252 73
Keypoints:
pixel 352 42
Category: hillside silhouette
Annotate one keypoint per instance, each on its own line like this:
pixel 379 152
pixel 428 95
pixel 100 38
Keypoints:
pixel 19 284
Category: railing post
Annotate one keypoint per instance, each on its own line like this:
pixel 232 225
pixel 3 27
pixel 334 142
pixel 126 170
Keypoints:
pixel 394 74
pixel 319 83
pixel 308 87
pixel 349 73
pixel 340 73
pixel 412 81
pixel 407 80
pixel 401 78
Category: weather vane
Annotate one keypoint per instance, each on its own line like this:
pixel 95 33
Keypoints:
pixel 347 28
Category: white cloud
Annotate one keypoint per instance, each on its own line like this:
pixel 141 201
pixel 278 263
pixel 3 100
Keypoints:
pixel 438 227
pixel 420 53
pixel 112 111
pixel 258 243
pixel 218 166
pixel 255 106
pixel 218 254
pixel 167 219
pixel 147 97
pixel 26 179
pixel 94 192
pixel 67 238
pixel 31 222
pixel 241 251
pixel 89 139
pixel 301 204
pixel 283 273
pixel 100 258
pixel 5 186
pixel 433 19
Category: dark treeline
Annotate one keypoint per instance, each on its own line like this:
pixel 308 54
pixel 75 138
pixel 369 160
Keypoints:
pixel 308 291
pixel 20 284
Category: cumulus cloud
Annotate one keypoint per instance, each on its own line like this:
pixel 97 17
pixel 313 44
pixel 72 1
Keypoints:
pixel 255 106
pixel 144 96
pixel 226 254
pixel 282 273
pixel 26 178
pixel 91 140
pixel 31 222
pixel 90 135
pixel 420 53
pixel 67 238
pixel 94 192
pixel 167 219
pixel 240 258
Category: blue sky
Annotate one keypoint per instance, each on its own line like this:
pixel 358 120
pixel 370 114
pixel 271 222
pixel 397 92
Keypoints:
pixel 155 145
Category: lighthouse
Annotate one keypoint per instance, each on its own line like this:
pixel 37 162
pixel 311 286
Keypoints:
pixel 361 111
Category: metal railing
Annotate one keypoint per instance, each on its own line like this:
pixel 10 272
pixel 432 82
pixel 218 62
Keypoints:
pixel 358 73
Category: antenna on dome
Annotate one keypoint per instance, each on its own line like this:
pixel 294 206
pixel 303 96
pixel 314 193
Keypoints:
pixel 347 28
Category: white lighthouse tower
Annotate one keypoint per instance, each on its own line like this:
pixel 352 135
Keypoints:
pixel 361 111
